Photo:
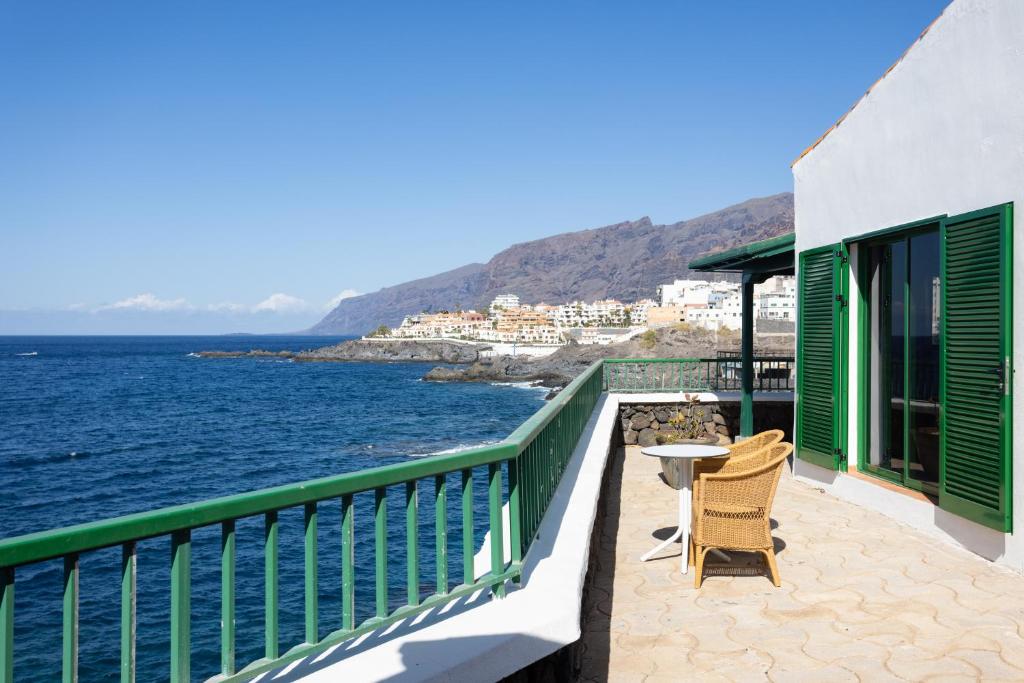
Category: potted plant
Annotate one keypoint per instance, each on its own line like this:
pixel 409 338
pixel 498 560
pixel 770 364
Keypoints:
pixel 687 427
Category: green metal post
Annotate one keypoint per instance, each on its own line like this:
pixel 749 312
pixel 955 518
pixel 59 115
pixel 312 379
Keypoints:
pixel 380 543
pixel 69 658
pixel 497 530
pixel 227 598
pixel 270 585
pixel 128 593
pixel 348 579
pixel 181 606
pixel 312 605
pixel 515 510
pixel 441 531
pixel 6 625
pixel 412 545
pixel 468 576
pixel 747 358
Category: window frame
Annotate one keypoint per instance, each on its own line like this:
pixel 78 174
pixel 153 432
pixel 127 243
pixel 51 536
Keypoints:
pixel 863 331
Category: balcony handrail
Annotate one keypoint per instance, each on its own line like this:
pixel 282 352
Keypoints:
pixel 47 545
pixel 647 375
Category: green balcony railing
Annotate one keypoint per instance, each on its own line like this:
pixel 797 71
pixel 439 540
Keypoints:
pixel 647 375
pixel 522 472
pixel 534 457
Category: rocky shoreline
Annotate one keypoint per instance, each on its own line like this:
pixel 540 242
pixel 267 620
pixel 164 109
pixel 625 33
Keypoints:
pixel 561 367
pixel 370 350
pixel 554 371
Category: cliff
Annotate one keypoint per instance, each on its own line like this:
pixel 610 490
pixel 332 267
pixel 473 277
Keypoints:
pixel 625 261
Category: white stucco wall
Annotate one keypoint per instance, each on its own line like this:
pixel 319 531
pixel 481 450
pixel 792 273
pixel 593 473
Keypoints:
pixel 942 133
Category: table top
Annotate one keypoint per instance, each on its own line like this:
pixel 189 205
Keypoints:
pixel 685 451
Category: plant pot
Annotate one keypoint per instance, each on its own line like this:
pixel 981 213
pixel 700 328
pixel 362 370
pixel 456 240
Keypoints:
pixel 671 467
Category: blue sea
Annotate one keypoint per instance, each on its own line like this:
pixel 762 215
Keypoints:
pixel 96 427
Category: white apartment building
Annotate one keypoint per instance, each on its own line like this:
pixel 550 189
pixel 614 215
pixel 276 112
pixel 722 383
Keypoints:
pixel 775 299
pixel 638 312
pixel 685 293
pixel 505 301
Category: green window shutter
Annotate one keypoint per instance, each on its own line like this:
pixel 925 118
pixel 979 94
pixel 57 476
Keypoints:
pixel 821 299
pixel 974 474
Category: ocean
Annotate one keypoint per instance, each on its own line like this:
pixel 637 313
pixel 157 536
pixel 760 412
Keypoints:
pixel 96 427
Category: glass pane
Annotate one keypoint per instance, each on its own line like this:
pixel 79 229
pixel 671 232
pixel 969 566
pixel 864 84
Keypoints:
pixel 897 257
pixel 880 365
pixel 923 390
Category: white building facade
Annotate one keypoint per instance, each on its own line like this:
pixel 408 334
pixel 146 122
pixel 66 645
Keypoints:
pixel 910 290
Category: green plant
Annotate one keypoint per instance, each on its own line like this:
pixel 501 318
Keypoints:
pixel 381 331
pixel 648 339
pixel 687 424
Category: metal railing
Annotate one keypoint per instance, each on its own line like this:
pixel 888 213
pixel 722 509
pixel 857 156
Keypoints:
pixel 532 460
pixel 647 375
pixel 522 471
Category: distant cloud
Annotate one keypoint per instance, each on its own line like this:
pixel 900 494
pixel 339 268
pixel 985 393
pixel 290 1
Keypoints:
pixel 147 302
pixel 342 295
pixel 282 303
pixel 277 303
pixel 228 307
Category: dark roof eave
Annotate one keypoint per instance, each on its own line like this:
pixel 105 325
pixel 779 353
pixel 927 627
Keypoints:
pixel 755 257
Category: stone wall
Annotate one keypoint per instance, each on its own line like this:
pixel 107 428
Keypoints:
pixel 642 423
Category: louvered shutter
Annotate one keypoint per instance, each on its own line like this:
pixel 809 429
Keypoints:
pixel 974 476
pixel 819 337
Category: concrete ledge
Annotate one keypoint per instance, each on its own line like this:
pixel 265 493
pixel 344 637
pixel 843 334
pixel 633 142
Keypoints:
pixel 483 639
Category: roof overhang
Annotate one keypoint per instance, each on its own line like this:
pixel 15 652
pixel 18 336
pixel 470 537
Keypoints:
pixel 771 256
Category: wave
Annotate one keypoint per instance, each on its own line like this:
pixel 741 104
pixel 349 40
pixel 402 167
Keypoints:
pixel 30 353
pixel 193 355
pixel 521 385
pixel 457 449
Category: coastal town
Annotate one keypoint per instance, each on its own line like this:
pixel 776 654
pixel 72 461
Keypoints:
pixel 709 305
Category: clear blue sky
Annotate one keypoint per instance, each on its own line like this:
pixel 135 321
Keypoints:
pixel 215 154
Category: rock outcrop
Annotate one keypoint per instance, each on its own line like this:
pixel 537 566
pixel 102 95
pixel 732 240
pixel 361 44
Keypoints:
pixel 371 350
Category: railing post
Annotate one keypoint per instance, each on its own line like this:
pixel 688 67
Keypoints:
pixel 747 352
pixel 270 596
pixel 6 625
pixel 441 532
pixel 227 598
pixel 515 511
pixel 128 597
pixel 312 588
pixel 69 656
pixel 497 523
pixel 412 544
pixel 380 543
pixel 348 579
pixel 468 570
pixel 181 606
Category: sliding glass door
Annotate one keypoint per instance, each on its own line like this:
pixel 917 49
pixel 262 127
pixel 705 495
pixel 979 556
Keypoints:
pixel 901 286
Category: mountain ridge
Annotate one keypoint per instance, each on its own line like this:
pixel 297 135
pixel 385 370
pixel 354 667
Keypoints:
pixel 625 260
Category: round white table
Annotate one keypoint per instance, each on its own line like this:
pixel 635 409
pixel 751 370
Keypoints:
pixel 682 457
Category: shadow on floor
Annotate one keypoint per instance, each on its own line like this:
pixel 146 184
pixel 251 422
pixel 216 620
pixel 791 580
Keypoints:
pixel 597 599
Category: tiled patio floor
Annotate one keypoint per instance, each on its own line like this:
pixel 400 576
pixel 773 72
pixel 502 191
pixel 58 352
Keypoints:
pixel 863 598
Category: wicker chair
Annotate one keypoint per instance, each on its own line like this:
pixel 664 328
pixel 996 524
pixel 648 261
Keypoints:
pixel 732 512
pixel 747 461
pixel 742 456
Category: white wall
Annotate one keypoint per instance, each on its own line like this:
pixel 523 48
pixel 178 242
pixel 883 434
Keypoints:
pixel 942 133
